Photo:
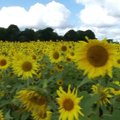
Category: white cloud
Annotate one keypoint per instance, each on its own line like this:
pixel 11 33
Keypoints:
pixel 95 15
pixel 101 16
pixel 53 14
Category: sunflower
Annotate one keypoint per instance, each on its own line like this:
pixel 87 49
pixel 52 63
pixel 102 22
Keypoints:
pixel 59 67
pixel 25 67
pixel 68 102
pixel 1 115
pixel 60 82
pixel 103 92
pixel 32 100
pixel 117 64
pixel 4 62
pixel 96 58
pixel 38 116
pixel 55 56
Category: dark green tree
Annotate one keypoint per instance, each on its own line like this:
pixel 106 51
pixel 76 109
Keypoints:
pixel 12 32
pixel 47 34
pixel 27 35
pixel 3 34
pixel 81 35
pixel 71 35
pixel 90 34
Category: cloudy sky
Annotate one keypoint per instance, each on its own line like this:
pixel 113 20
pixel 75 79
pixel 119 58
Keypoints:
pixel 100 16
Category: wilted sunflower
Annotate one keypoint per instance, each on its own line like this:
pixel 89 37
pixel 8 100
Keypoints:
pixel 4 62
pixel 103 92
pixel 68 102
pixel 96 58
pixel 39 116
pixel 32 100
pixel 1 115
pixel 25 67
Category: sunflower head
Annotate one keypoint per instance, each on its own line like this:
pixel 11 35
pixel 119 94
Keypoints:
pixel 117 63
pixel 32 100
pixel 60 82
pixel 55 56
pixel 42 116
pixel 103 92
pixel 25 67
pixel 96 56
pixel 68 104
pixel 4 62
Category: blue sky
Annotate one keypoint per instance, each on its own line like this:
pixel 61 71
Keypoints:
pixel 100 16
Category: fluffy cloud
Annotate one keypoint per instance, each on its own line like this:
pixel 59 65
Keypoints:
pixel 53 14
pixel 101 16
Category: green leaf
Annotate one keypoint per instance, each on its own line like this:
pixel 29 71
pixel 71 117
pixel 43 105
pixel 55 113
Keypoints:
pixel 8 116
pixel 84 81
pixel 87 103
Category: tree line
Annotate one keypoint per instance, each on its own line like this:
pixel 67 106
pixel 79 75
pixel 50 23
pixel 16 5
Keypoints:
pixel 13 33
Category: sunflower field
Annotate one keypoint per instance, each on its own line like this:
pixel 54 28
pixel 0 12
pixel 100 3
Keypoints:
pixel 60 80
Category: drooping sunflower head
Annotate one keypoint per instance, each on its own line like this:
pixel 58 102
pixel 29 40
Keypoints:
pixel 103 92
pixel 32 100
pixel 96 58
pixel 69 104
pixel 42 116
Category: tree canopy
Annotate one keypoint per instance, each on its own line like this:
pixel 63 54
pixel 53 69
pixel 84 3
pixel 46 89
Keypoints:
pixel 13 33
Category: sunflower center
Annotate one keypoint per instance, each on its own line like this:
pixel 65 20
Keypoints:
pixel 40 100
pixel 60 67
pixel 118 61
pixel 43 115
pixel 56 55
pixel 68 104
pixel 34 57
pixel 63 48
pixel 68 59
pixel 3 62
pixel 72 54
pixel 97 56
pixel 60 82
pixel 27 66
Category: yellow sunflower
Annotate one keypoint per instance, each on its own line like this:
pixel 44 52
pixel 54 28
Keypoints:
pixel 96 58
pixel 1 115
pixel 25 67
pixel 4 62
pixel 117 63
pixel 38 116
pixel 60 82
pixel 55 56
pixel 32 100
pixel 103 92
pixel 68 102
